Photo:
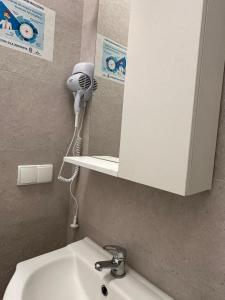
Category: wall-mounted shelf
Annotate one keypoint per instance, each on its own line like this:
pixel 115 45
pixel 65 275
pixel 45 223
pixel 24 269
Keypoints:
pixel 104 164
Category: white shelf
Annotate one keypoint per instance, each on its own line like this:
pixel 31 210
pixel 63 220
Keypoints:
pixel 103 164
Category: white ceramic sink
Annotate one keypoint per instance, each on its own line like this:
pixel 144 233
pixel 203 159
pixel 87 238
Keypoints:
pixel 69 274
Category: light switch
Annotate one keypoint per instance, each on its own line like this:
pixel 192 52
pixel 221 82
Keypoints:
pixel 44 173
pixel 34 174
pixel 27 175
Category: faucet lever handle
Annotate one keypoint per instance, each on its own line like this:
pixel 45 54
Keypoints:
pixel 117 251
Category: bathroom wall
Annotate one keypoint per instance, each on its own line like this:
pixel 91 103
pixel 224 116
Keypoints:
pixel 87 54
pixel 36 123
pixel 177 243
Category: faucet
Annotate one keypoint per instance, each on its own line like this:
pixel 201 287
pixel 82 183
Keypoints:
pixel 116 264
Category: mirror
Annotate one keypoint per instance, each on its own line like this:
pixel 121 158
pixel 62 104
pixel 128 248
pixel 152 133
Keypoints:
pixel 110 72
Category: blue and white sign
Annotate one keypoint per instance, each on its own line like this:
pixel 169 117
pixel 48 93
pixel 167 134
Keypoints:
pixel 27 26
pixel 111 59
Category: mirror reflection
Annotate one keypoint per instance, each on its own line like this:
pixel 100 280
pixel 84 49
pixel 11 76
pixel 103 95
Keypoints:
pixel 110 72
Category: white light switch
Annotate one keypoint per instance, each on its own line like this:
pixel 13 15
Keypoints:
pixel 27 175
pixel 34 174
pixel 44 173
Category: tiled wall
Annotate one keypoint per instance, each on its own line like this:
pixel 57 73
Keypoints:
pixel 36 123
pixel 177 243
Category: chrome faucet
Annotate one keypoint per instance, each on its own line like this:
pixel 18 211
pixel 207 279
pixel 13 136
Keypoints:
pixel 116 264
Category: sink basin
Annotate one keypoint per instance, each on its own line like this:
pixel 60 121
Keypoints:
pixel 69 274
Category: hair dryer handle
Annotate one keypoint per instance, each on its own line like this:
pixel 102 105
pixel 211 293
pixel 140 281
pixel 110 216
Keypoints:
pixel 77 101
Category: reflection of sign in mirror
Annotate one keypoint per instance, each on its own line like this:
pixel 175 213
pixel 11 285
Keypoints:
pixel 23 24
pixel 111 60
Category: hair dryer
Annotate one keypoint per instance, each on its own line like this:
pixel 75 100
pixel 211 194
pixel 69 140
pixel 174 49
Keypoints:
pixel 82 84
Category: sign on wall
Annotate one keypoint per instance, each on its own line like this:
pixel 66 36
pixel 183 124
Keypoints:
pixel 111 59
pixel 28 27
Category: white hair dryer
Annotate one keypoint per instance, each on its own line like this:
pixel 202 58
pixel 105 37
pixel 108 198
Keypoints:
pixel 82 84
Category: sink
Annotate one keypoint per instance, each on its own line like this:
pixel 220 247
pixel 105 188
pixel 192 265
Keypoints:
pixel 69 274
